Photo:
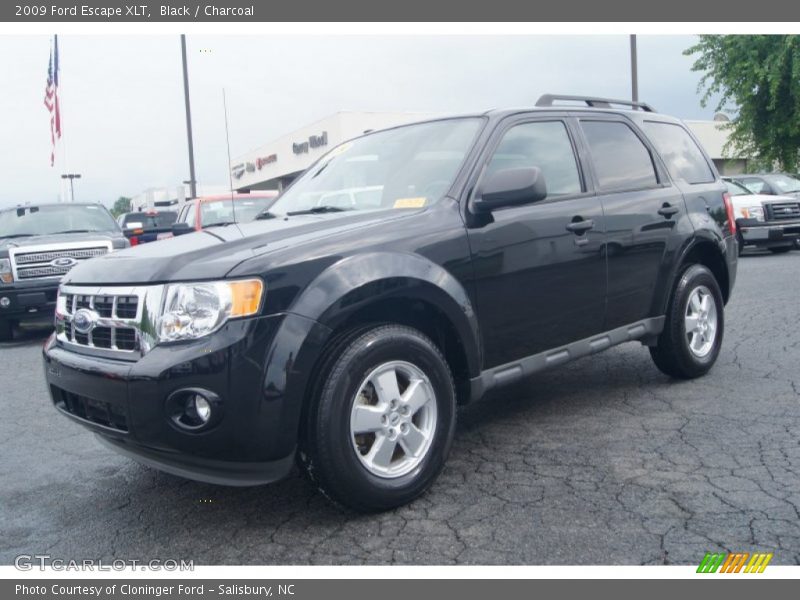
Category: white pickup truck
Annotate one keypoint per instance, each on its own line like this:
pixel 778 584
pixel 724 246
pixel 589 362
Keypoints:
pixel 765 220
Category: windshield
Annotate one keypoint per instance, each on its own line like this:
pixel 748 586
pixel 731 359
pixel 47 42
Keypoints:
pixel 784 183
pixel 223 211
pixel 60 218
pixel 406 167
pixel 737 189
pixel 148 220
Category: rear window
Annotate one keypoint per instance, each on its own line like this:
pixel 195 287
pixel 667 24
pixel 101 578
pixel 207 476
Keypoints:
pixel 149 220
pixel 681 154
pixel 621 160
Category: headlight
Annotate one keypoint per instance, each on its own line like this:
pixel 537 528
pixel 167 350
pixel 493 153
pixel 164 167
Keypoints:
pixel 192 310
pixel 5 271
pixel 753 212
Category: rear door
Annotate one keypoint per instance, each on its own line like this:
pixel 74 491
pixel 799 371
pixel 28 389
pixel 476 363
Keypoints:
pixel 643 211
pixel 540 276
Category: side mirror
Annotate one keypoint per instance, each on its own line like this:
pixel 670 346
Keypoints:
pixel 181 227
pixel 511 187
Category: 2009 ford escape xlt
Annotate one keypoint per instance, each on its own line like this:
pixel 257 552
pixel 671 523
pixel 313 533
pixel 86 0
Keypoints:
pixel 406 272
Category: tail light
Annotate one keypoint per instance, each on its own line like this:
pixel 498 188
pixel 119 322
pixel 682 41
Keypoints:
pixel 134 240
pixel 726 198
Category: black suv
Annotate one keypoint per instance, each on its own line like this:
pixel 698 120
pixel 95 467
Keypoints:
pixel 476 250
pixel 39 244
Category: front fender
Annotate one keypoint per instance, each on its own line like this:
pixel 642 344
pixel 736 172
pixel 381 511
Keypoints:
pixel 356 282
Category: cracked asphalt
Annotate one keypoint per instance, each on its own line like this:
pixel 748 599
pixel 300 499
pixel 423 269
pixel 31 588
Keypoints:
pixel 603 461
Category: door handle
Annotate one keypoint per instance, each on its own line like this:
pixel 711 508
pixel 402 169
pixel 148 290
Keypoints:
pixel 580 225
pixel 667 210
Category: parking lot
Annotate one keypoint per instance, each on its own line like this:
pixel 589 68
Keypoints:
pixel 604 461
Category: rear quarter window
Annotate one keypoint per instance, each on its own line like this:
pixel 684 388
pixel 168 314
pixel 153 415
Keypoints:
pixel 680 152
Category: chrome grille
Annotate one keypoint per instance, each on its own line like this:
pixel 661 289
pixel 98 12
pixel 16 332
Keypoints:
pixel 122 319
pixel 783 210
pixel 38 262
pixel 40 257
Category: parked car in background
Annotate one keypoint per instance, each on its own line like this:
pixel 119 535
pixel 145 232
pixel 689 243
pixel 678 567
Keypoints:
pixel 39 244
pixel 770 184
pixel 764 220
pixel 345 334
pixel 147 226
pixel 222 209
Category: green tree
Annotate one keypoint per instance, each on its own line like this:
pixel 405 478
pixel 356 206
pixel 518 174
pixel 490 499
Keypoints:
pixel 758 78
pixel 121 206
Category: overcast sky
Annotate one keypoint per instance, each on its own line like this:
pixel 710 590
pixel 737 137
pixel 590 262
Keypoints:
pixel 122 96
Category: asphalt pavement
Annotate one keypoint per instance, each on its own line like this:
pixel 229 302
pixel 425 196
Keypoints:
pixel 603 461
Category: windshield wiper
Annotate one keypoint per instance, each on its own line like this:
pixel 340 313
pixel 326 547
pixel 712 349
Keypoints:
pixel 317 210
pixel 15 235
pixel 266 215
pixel 73 231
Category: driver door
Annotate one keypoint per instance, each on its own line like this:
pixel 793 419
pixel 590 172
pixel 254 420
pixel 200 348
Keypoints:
pixel 540 268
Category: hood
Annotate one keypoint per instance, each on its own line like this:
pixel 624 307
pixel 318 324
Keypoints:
pixel 60 238
pixel 212 253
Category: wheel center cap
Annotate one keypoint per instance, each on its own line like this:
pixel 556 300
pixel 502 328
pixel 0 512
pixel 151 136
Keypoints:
pixel 394 418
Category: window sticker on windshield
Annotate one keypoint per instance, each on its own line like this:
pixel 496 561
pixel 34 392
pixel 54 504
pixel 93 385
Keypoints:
pixel 410 202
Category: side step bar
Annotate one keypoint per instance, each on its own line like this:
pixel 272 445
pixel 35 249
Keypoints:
pixel 516 370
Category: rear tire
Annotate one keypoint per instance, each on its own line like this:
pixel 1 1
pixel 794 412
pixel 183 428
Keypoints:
pixel 781 249
pixel 382 420
pixel 695 323
pixel 6 331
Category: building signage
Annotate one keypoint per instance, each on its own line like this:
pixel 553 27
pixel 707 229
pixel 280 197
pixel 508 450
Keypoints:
pixel 262 161
pixel 239 170
pixel 314 141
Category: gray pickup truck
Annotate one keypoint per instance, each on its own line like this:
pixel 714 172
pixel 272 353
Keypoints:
pixel 39 244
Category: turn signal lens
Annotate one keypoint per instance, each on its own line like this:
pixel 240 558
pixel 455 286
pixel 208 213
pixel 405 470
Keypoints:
pixel 245 297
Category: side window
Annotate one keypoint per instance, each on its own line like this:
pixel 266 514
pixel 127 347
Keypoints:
pixel 683 157
pixel 621 160
pixel 543 144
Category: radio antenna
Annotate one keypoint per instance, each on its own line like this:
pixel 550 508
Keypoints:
pixel 228 144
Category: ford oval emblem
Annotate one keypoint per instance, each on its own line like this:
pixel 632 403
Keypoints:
pixel 63 262
pixel 84 320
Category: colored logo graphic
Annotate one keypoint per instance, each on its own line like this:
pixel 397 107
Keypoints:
pixel 743 562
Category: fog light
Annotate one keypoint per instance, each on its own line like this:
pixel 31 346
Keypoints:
pixel 5 302
pixel 194 409
pixel 202 408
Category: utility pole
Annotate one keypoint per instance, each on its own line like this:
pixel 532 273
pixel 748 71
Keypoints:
pixel 72 177
pixel 634 71
pixel 192 178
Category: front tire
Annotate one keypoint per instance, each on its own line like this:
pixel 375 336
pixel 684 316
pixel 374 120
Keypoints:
pixel 382 421
pixel 695 323
pixel 781 249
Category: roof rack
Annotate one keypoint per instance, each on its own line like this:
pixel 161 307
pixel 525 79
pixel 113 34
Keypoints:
pixel 549 99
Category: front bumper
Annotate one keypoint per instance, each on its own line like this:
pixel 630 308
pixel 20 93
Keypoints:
pixel 252 365
pixel 770 233
pixel 29 301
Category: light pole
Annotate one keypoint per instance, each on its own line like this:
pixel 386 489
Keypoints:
pixel 634 71
pixel 192 188
pixel 72 177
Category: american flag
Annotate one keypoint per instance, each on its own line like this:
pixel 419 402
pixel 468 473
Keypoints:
pixel 51 99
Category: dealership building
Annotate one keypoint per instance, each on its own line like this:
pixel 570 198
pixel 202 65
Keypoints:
pixel 275 165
